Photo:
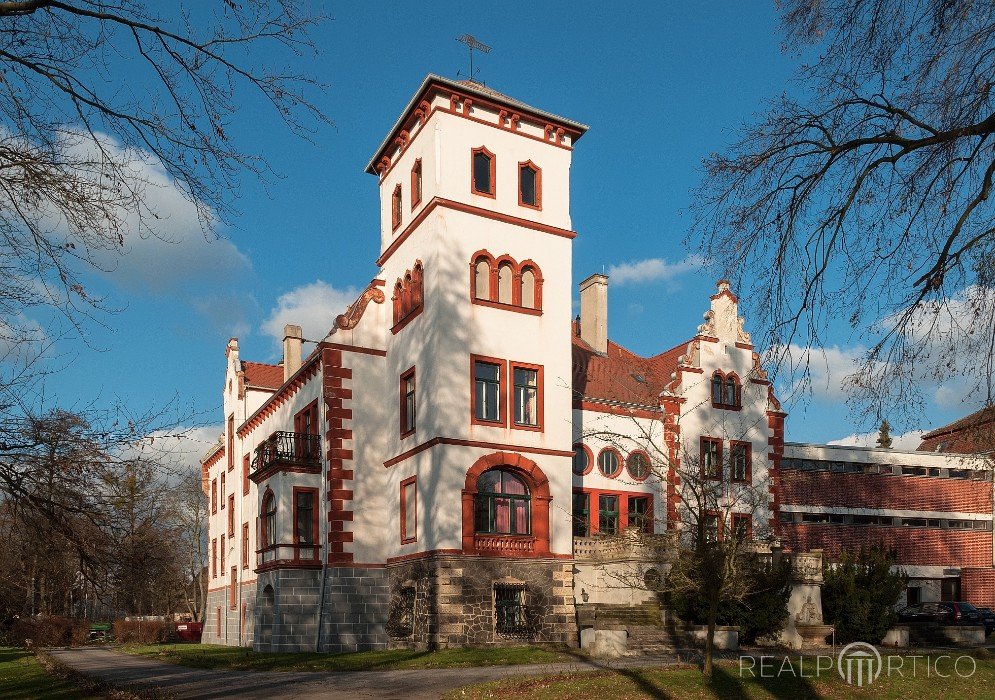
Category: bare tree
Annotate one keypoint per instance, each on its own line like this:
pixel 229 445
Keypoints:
pixel 867 196
pixel 74 133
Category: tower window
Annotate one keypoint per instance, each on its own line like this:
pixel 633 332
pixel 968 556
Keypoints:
pixel 529 185
pixel 408 407
pixel 527 381
pixel 726 391
pixel 395 208
pixel 416 184
pixel 483 172
pixel 487 391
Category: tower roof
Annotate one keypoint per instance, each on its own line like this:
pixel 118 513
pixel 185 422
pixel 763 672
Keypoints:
pixel 478 90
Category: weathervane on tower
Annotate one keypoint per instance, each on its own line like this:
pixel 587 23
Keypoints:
pixel 472 43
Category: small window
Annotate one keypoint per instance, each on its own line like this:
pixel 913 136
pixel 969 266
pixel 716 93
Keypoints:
pixel 528 289
pixel 526 388
pixel 269 520
pixel 214 496
pixel 640 516
pixel 246 466
pixel 711 458
pixel 581 515
pixel 483 172
pixel 409 510
pixel 245 545
pixel 740 459
pixel 395 208
pixel 638 465
pixel 609 462
pixel 416 183
pixel 608 514
pixel 529 185
pixel 506 280
pixel 408 406
pixel 231 515
pixel 223 551
pixel 305 523
pixel 509 610
pixel 482 279
pixel 401 616
pixel 231 442
pixel 487 391
pixel 581 460
pixel 502 504
pixel 233 589
pixel 214 558
pixel 223 490
pixel 732 392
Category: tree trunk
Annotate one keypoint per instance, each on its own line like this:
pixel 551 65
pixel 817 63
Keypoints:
pixel 713 611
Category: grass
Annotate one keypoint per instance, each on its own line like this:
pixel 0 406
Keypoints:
pixel 687 683
pixel 225 658
pixel 21 676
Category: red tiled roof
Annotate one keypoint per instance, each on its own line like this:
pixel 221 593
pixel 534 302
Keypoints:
pixel 263 375
pixel 620 375
pixel 972 434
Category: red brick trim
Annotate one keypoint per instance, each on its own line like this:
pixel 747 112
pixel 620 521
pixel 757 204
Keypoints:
pixel 538 484
pixel 467 209
pixel 671 406
pixel 429 444
pixel 338 414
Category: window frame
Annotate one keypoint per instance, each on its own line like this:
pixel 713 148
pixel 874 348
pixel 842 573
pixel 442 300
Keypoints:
pixel 590 459
pixel 492 192
pixel 404 431
pixel 245 545
pixel 617 512
pixel 214 496
pixel 214 557
pixel 223 491
pixel 246 468
pixel 738 518
pixel 723 380
pixel 526 497
pixel 408 537
pixel 233 589
pixel 748 450
pixel 314 545
pixel 267 521
pixel 708 515
pixel 417 182
pixel 222 552
pixel 704 440
pixel 649 468
pixel 647 518
pixel 231 515
pixel 620 463
pixel 513 398
pixel 523 164
pixel 502 419
pixel 575 517
pixel 491 296
pixel 396 207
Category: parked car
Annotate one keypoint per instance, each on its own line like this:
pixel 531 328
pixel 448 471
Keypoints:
pixel 942 612
pixel 988 617
pixel 189 631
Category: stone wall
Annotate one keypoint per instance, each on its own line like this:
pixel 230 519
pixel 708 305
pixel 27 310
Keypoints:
pixel 356 605
pixel 231 631
pixel 453 601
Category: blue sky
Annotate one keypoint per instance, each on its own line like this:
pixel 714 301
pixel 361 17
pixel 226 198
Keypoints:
pixel 660 84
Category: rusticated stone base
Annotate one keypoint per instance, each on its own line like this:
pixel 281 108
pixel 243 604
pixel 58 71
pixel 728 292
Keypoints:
pixel 449 601
pixel 226 625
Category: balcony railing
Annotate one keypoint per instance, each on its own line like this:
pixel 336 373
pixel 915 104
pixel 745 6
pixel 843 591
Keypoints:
pixel 287 554
pixel 631 545
pixel 282 449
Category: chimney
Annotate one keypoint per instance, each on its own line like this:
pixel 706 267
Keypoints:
pixel 292 339
pixel 594 312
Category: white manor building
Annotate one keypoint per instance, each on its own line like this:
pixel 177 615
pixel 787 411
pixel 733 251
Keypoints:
pixel 437 470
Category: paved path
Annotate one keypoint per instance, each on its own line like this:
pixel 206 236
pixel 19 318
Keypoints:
pixel 141 674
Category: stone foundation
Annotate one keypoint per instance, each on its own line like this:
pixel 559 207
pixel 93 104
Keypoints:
pixel 449 601
pixel 232 631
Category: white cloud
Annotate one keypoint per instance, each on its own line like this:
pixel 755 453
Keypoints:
pixel 827 370
pixel 652 270
pixel 906 442
pixel 312 306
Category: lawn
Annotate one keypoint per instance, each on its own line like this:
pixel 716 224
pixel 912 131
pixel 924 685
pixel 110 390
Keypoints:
pixel 240 659
pixel 687 683
pixel 21 676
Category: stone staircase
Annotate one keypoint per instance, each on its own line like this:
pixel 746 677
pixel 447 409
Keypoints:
pixel 644 624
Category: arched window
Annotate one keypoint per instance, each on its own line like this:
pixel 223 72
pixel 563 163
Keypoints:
pixel 269 519
pixel 416 183
pixel 505 282
pixel 528 288
pixel 395 208
pixel 609 462
pixel 717 388
pixel 482 279
pixel 503 504
pixel 732 392
pixel 409 296
pixel 529 185
pixel 406 295
pixel 482 172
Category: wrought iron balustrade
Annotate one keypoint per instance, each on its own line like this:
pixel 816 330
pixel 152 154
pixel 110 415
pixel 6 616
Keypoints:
pixel 282 449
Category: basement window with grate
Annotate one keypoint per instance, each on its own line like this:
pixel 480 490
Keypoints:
pixel 509 607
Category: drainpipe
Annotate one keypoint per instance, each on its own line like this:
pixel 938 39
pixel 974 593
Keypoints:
pixel 323 533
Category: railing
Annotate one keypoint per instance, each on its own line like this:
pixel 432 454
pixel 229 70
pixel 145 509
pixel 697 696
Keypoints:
pixel 503 543
pixel 631 545
pixel 287 552
pixel 285 448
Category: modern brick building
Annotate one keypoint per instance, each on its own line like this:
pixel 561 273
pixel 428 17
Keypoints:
pixel 436 469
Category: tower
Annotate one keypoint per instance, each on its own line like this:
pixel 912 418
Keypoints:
pixel 476 251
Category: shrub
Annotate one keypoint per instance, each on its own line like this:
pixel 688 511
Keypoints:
pixel 761 613
pixel 859 594
pixel 141 631
pixel 49 632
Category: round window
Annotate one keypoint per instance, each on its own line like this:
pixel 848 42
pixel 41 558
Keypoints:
pixel 582 462
pixel 638 465
pixel 608 463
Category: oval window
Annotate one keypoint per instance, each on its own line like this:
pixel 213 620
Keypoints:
pixel 608 462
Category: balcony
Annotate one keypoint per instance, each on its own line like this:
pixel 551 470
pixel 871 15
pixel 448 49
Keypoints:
pixel 630 545
pixel 288 556
pixel 285 451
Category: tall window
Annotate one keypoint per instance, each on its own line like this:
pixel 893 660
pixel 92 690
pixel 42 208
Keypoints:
pixel 416 183
pixel 233 589
pixel 222 550
pixel 214 558
pixel 526 396
pixel 487 391
pixel 305 523
pixel 609 462
pixel 740 458
pixel 502 504
pixel 582 514
pixel 506 281
pixel 607 514
pixel 711 458
pixel 710 526
pixel 528 288
pixel 306 424
pixel 231 442
pixel 640 516
pixel 245 545
pixel 483 172
pixel 408 407
pixel 717 385
pixel 482 279
pixel 231 515
pixel 214 496
pixel 409 510
pixel 529 185
pixel 269 520
pixel 395 208
pixel 246 464
pixel 222 490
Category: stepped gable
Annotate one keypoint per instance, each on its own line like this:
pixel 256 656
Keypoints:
pixel 621 376
pixel 262 375
pixel 973 434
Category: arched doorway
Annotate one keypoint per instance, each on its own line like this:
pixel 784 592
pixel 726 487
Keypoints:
pixel 267 617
